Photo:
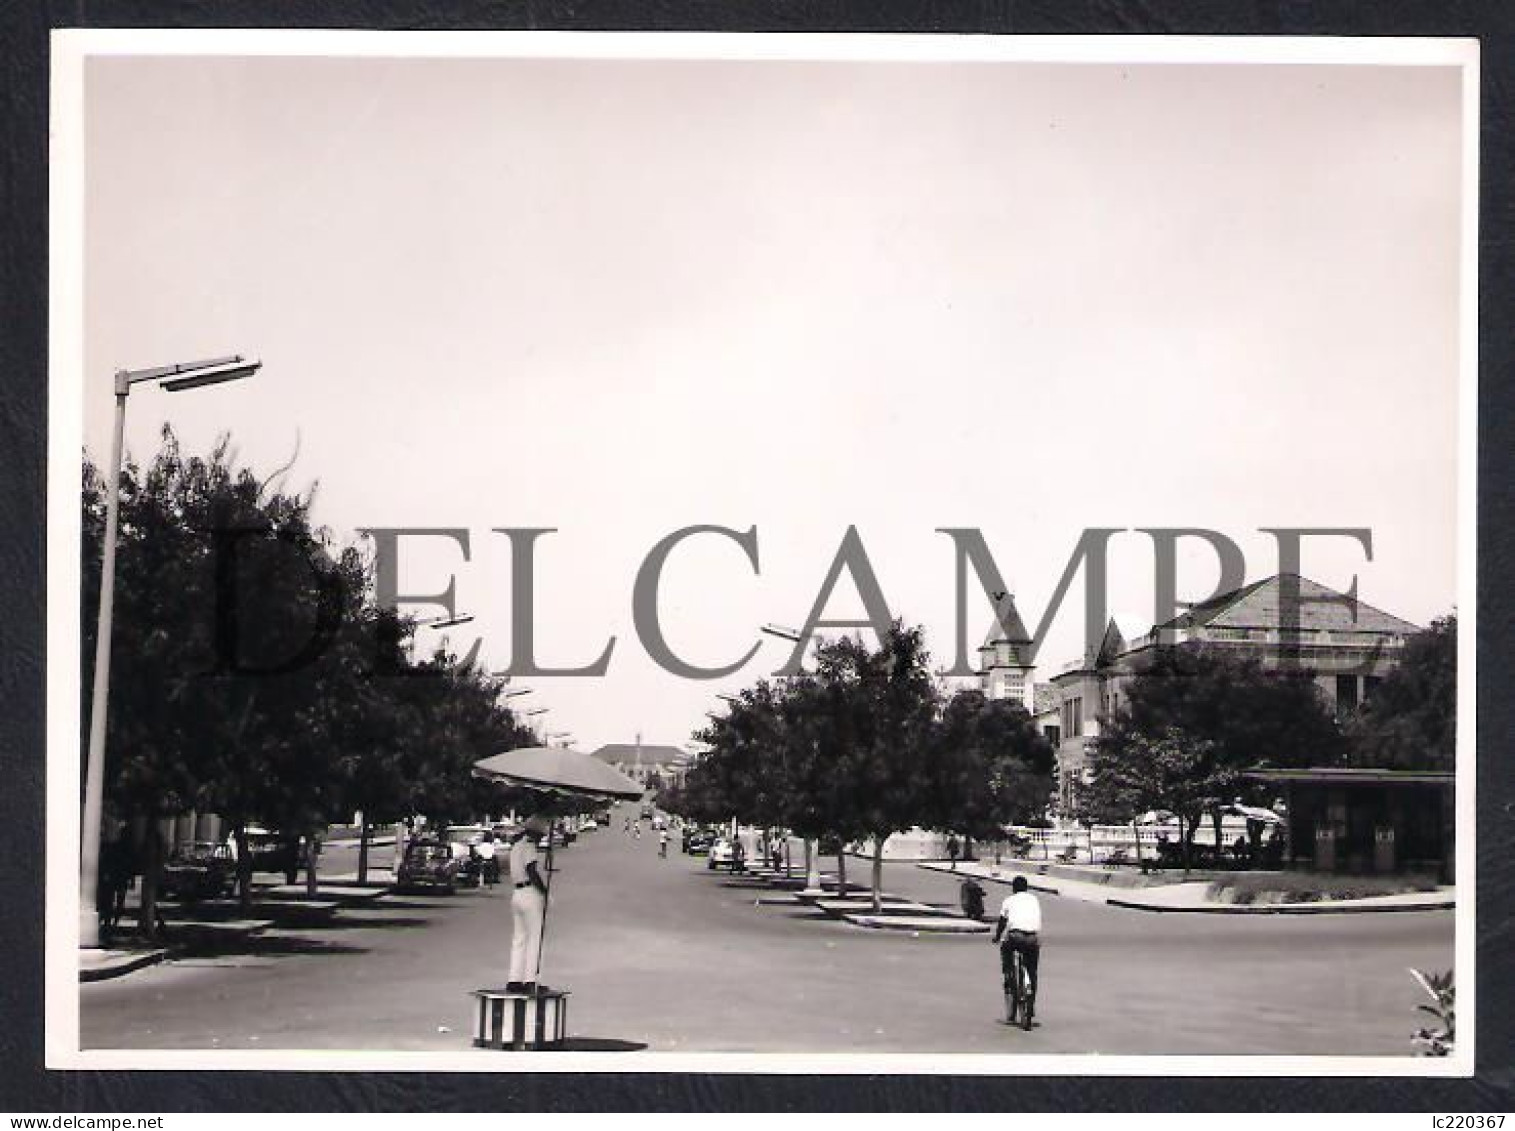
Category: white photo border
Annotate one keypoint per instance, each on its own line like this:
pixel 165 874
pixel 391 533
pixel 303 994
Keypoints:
pixel 70 48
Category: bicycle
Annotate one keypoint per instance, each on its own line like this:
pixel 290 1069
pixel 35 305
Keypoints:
pixel 1020 989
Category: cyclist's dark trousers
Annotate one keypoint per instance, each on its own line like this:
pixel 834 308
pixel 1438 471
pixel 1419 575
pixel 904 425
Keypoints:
pixel 1031 952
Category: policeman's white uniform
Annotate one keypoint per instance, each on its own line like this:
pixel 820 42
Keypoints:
pixel 527 905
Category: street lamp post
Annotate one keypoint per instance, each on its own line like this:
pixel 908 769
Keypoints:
pixel 175 378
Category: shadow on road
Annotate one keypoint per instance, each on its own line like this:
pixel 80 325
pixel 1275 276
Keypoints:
pixel 339 923
pixel 601 1044
pixel 263 946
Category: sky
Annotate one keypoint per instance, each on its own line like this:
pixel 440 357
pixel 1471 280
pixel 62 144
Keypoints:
pixel 620 297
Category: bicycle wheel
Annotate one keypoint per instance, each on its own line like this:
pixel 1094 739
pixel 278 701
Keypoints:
pixel 1015 1000
pixel 1027 996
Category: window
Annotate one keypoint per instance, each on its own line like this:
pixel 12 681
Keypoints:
pixel 1073 717
pixel 1346 695
pixel 1054 734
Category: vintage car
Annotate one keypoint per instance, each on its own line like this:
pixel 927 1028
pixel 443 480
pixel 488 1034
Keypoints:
pixel 476 865
pixel 201 869
pixel 696 842
pixel 726 853
pixel 269 851
pixel 428 864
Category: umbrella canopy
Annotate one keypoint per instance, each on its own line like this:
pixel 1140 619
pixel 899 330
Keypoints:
pixel 558 770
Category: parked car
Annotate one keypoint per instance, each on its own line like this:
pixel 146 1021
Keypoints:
pixel 473 865
pixel 428 864
pixel 697 842
pixel 269 851
pixel 589 826
pixel 201 869
pixel 725 853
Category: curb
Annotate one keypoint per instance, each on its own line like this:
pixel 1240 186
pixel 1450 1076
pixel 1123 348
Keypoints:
pixel 124 967
pixel 1030 877
pixel 960 926
pixel 1325 907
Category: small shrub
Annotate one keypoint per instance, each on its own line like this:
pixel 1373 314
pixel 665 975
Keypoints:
pixel 1439 1038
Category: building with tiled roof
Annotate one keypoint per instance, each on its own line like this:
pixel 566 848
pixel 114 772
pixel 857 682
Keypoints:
pixel 642 761
pixel 1284 620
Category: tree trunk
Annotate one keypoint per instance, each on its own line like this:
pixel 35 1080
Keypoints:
pixel 363 852
pixel 312 854
pixel 152 869
pixel 1187 829
pixel 1136 842
pixel 878 874
pixel 841 870
pixel 1219 843
pixel 402 841
pixel 812 865
pixel 244 868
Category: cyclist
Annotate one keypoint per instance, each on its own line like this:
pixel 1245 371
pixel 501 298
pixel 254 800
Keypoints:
pixel 1019 930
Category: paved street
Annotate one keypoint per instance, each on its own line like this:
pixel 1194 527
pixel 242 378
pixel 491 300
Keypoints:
pixel 666 955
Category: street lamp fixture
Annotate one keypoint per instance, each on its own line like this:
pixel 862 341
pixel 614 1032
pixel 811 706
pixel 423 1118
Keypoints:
pixel 789 634
pixel 175 378
pixel 446 622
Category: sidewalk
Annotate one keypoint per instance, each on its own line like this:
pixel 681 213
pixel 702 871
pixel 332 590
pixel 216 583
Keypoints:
pixel 1115 889
pixel 895 913
pixel 219 919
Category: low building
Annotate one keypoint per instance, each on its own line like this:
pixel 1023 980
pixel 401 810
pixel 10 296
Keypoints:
pixel 1367 820
pixel 647 763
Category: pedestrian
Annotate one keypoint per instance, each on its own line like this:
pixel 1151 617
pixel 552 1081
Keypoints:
pixel 953 848
pixel 489 871
pixel 528 907
pixel 663 843
pixel 117 870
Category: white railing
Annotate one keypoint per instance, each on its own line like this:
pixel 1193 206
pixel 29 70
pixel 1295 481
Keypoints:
pixel 1097 844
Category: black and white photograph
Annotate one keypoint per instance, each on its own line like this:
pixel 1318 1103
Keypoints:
pixel 761 553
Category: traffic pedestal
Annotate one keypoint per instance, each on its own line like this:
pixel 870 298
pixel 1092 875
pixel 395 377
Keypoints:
pixel 515 1021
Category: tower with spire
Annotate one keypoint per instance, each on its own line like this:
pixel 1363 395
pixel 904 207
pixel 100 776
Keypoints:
pixel 1005 663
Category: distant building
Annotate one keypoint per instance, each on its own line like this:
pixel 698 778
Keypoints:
pixel 642 762
pixel 1348 647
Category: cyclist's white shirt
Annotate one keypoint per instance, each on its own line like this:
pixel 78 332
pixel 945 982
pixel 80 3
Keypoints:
pixel 1022 911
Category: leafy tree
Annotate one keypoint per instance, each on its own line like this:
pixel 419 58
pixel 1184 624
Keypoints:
pixel 1228 713
pixel 993 767
pixel 878 715
pixel 1410 721
pixel 254 677
pixel 1175 770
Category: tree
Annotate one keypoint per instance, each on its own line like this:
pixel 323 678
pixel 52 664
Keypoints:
pixel 1175 770
pixel 1227 713
pixel 1410 721
pixel 255 678
pixel 878 714
pixel 992 767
